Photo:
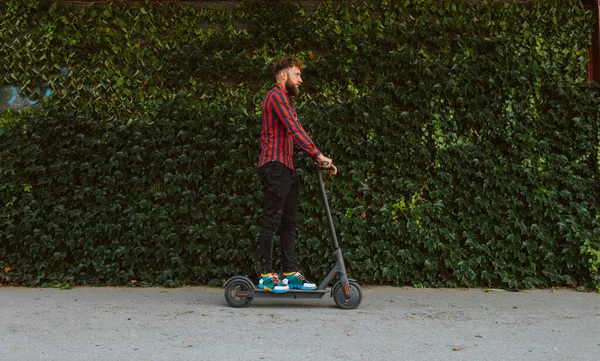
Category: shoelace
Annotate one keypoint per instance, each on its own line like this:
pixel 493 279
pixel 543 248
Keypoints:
pixel 299 275
pixel 274 278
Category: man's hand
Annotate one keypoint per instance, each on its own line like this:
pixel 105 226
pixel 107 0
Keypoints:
pixel 327 163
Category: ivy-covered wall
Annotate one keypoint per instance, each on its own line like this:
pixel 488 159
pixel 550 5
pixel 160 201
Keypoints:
pixel 466 135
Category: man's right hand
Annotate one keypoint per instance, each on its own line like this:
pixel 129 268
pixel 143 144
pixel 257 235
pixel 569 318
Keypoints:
pixel 326 163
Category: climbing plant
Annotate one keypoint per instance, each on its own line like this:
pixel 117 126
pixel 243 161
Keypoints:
pixel 466 134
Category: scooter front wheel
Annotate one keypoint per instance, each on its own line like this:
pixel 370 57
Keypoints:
pixel 347 302
pixel 235 291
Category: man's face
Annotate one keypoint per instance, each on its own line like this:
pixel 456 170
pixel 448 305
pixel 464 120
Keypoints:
pixel 293 80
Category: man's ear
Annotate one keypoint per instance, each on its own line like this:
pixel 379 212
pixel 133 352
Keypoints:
pixel 281 75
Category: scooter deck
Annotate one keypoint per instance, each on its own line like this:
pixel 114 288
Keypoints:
pixel 259 293
pixel 255 292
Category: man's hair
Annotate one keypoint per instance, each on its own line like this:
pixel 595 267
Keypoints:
pixel 286 63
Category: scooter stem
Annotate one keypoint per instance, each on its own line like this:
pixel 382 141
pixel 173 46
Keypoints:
pixel 326 206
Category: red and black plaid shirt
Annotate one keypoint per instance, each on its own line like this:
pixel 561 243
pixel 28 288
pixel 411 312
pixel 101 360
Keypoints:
pixel 281 129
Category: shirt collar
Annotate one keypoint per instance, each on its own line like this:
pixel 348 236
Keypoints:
pixel 282 88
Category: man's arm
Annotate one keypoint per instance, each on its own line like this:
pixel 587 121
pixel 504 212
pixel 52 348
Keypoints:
pixel 293 126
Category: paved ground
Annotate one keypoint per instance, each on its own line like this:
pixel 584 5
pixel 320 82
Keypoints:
pixel 391 324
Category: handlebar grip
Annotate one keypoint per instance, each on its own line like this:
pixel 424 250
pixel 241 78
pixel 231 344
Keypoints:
pixel 325 164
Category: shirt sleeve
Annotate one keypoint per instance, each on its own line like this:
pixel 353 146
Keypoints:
pixel 284 112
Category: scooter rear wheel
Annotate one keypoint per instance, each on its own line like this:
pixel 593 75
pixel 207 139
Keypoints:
pixel 340 297
pixel 232 293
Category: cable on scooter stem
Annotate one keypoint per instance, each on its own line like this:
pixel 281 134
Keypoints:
pixel 325 166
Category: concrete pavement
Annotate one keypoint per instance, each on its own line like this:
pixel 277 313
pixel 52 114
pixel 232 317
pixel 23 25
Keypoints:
pixel 195 323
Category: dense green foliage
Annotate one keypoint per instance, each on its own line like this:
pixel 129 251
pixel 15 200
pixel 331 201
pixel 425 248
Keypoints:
pixel 466 135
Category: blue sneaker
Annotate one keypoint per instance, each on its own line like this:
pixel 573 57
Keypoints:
pixel 296 281
pixel 270 282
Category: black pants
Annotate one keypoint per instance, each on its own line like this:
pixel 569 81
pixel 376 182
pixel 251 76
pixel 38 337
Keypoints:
pixel 281 192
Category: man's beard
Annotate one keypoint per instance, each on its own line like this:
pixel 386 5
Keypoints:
pixel 291 88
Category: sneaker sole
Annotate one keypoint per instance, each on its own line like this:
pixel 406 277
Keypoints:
pixel 262 287
pixel 303 288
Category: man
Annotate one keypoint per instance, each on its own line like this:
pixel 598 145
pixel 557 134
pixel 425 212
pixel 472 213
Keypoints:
pixel 280 130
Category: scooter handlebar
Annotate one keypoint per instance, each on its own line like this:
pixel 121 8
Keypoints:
pixel 325 165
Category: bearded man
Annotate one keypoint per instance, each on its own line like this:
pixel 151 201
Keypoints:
pixel 281 129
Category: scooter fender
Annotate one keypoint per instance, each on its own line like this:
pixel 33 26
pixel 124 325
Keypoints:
pixel 242 278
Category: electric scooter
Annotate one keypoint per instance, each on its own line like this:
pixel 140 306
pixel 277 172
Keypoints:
pixel 347 294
